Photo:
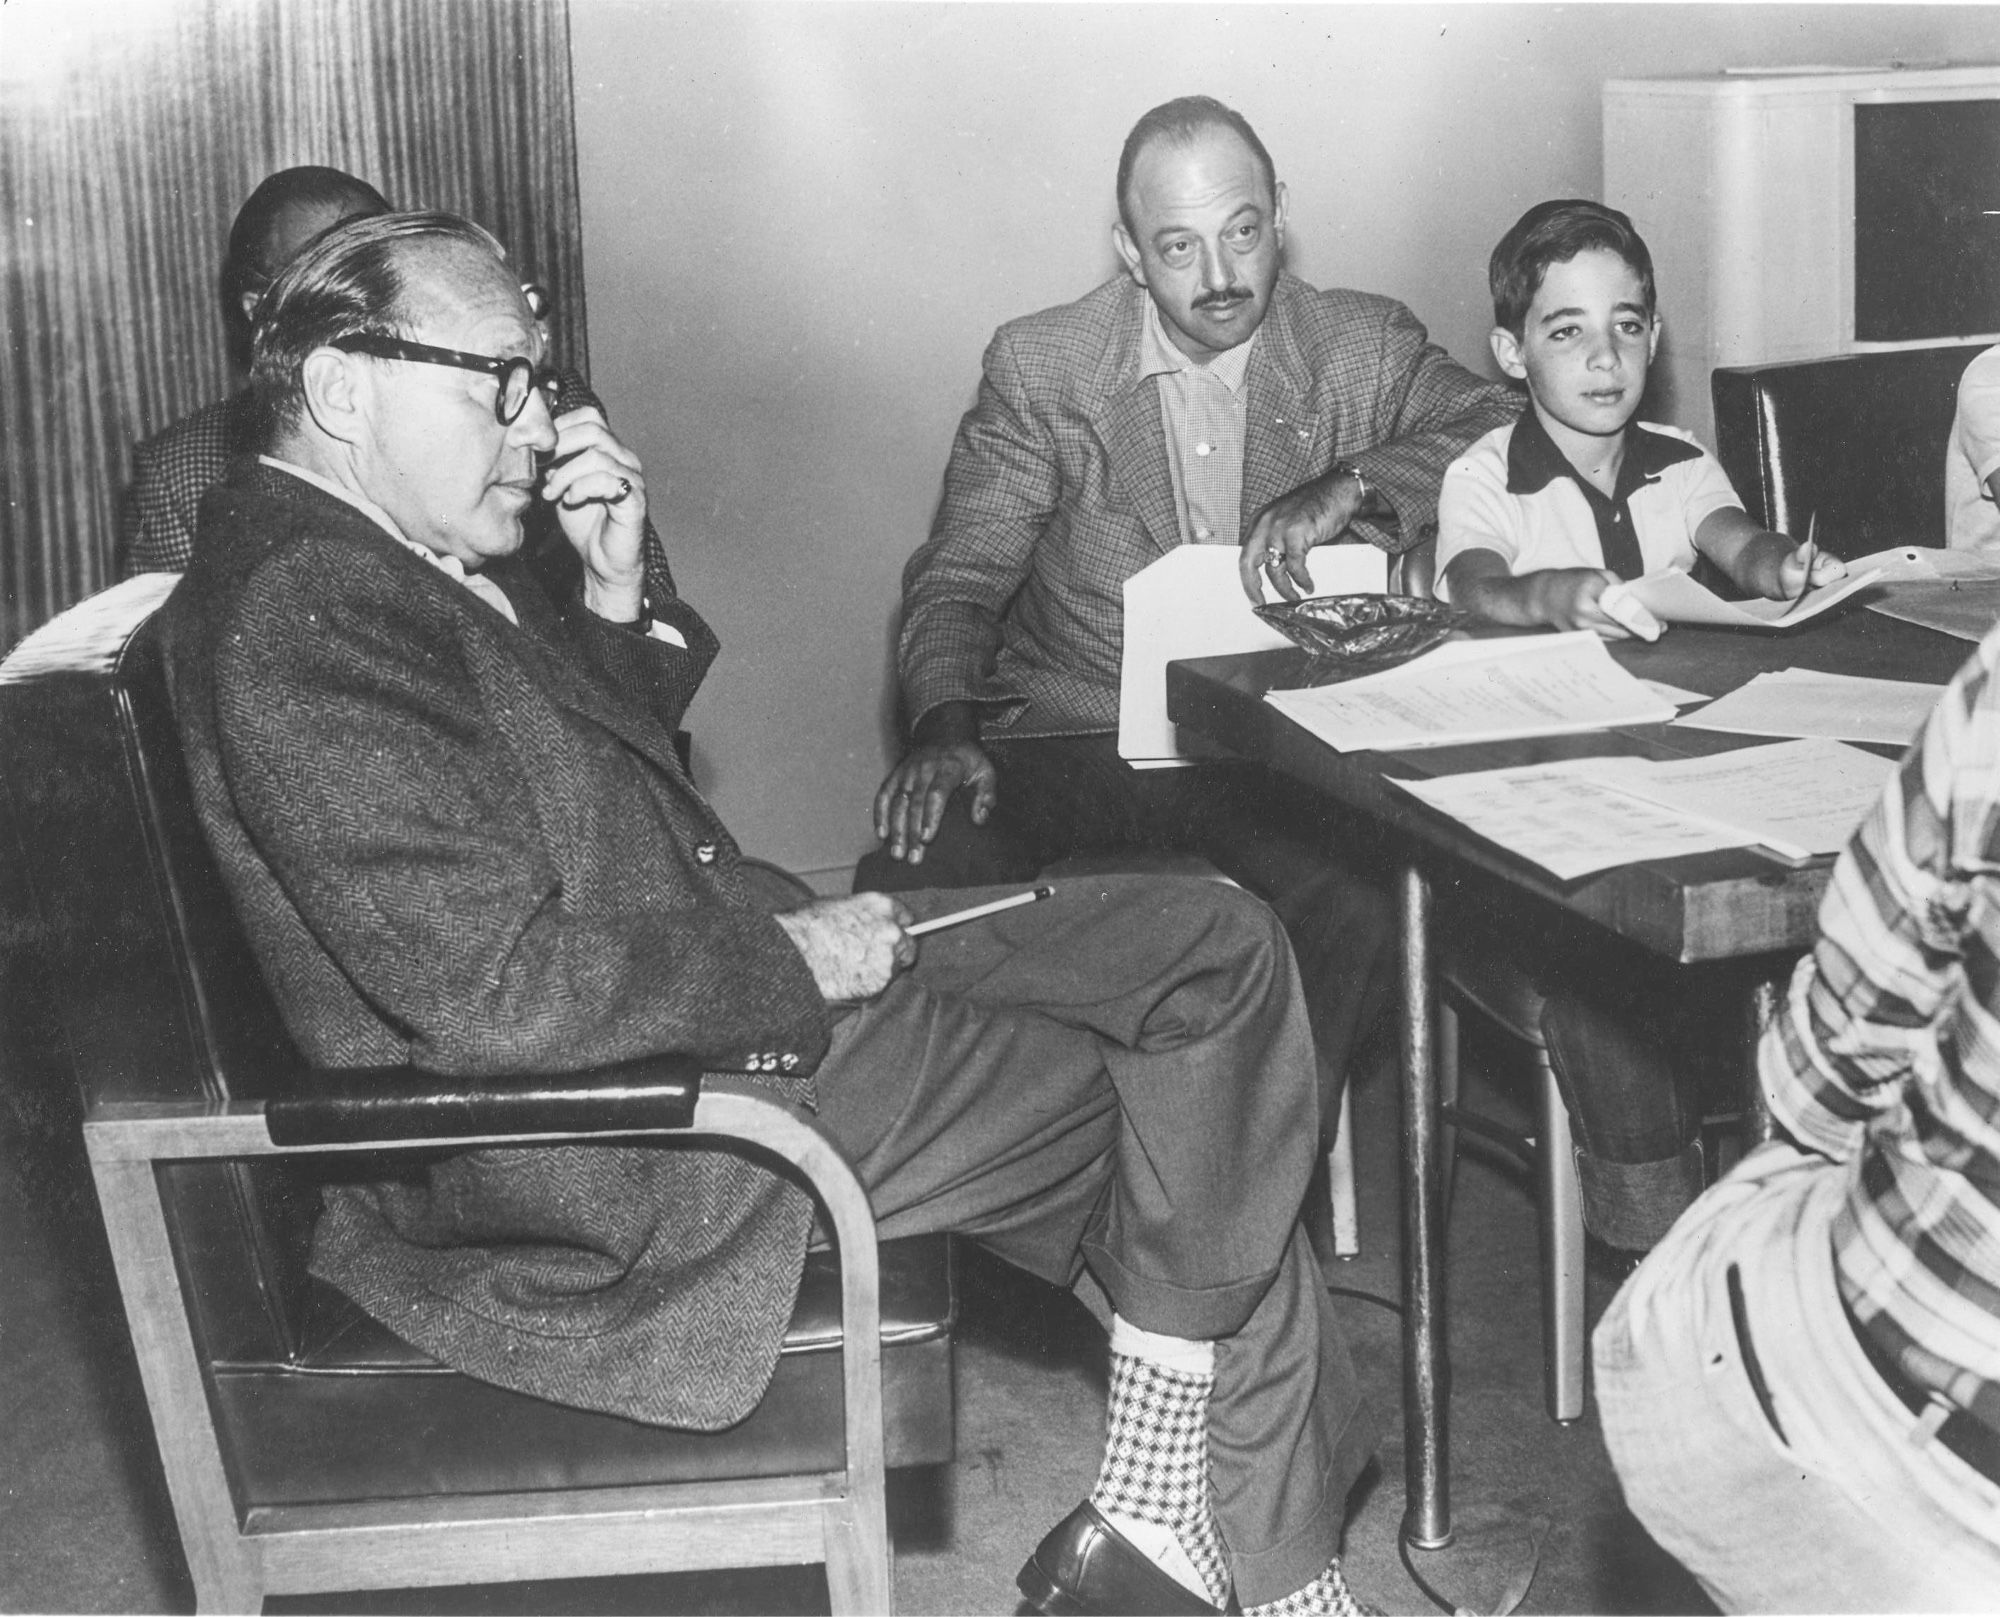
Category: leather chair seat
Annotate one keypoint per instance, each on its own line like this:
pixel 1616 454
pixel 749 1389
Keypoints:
pixel 359 1413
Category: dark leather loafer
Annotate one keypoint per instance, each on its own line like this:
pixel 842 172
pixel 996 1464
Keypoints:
pixel 1087 1568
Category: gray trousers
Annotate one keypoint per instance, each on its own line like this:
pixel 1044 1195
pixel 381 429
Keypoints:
pixel 1122 1078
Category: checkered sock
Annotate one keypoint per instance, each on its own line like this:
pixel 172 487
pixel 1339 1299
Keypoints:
pixel 1326 1596
pixel 1156 1461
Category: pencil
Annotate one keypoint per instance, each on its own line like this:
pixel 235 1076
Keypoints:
pixel 957 916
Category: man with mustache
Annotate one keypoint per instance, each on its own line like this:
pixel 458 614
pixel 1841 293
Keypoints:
pixel 1207 397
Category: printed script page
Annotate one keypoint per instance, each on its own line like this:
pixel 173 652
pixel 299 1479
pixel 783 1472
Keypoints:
pixel 1479 690
pixel 1838 707
pixel 1566 819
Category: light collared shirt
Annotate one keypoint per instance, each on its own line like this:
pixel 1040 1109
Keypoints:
pixel 480 585
pixel 1972 521
pixel 1203 409
pixel 1513 493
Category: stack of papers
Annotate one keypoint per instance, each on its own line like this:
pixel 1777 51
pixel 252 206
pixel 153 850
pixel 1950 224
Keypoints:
pixel 1792 801
pixel 1841 707
pixel 1956 592
pixel 1479 690
pixel 1673 597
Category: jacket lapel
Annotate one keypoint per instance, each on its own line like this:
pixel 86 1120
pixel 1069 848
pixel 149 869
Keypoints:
pixel 1280 422
pixel 1128 425
pixel 544 638
pixel 537 637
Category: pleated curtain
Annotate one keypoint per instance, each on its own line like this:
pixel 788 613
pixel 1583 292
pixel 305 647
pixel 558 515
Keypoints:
pixel 131 132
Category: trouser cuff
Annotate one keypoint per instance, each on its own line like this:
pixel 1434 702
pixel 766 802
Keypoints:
pixel 1632 1204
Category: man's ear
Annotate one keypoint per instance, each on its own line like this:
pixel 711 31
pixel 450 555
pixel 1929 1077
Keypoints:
pixel 334 389
pixel 1653 346
pixel 1278 206
pixel 1128 250
pixel 248 302
pixel 1507 353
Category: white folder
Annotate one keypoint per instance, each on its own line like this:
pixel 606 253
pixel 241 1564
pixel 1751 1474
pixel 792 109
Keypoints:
pixel 1190 603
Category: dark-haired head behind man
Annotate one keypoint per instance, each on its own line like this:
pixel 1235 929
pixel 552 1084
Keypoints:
pixel 450 814
pixel 174 468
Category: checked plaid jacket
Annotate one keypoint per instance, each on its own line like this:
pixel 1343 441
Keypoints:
pixel 1058 489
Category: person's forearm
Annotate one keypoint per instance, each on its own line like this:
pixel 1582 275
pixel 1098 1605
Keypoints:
pixel 1749 556
pixel 947 724
pixel 1478 582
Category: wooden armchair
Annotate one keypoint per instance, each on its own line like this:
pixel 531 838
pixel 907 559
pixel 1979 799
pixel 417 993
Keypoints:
pixel 306 1448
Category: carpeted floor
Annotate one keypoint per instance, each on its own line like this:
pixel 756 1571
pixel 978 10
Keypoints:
pixel 85 1524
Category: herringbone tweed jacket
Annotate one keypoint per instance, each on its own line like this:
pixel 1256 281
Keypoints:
pixel 1059 489
pixel 469 845
pixel 175 467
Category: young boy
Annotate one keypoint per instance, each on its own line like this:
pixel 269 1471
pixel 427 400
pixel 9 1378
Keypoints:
pixel 1537 524
pixel 1539 519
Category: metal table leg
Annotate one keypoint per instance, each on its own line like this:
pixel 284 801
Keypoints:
pixel 1766 995
pixel 1426 1458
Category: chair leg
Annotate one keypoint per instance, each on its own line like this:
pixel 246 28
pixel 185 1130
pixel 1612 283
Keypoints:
pixel 1561 1209
pixel 1447 1090
pixel 860 1563
pixel 1340 1180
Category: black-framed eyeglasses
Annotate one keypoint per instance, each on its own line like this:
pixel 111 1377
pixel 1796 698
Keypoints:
pixel 517 376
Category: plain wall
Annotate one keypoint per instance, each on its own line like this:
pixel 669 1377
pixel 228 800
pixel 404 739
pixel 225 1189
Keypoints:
pixel 803 221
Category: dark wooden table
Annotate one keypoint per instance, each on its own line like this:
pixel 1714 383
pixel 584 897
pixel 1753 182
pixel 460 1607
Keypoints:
pixel 1712 906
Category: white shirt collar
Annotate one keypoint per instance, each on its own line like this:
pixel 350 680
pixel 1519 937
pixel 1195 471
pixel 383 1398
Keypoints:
pixel 1157 354
pixel 450 566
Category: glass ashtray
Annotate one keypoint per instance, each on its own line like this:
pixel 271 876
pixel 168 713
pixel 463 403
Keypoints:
pixel 1351 635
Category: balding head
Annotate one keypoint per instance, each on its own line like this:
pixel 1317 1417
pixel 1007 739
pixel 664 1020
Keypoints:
pixel 1181 122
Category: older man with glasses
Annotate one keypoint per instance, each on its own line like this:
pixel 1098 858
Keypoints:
pixel 449 811
pixel 174 468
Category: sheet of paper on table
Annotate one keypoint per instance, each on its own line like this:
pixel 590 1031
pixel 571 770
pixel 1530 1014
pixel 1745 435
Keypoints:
pixel 1584 815
pixel 1567 819
pixel 1479 690
pixel 1674 597
pixel 1838 707
pixel 1956 592
pixel 1190 603
pixel 1797 798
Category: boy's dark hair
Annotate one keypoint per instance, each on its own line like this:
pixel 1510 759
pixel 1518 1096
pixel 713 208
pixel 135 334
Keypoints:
pixel 1554 233
pixel 1181 122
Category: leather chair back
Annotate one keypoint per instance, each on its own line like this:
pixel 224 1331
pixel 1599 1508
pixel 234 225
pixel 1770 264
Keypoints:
pixel 1857 440
pixel 156 993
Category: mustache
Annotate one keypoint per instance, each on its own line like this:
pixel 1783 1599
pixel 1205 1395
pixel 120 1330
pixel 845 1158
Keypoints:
pixel 1223 299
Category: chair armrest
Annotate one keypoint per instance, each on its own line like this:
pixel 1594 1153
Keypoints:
pixel 324 1106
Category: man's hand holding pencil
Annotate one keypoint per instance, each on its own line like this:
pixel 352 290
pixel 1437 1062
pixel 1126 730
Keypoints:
pixel 855 946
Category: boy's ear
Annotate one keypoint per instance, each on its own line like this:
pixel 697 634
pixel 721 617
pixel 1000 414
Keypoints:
pixel 1507 352
pixel 1653 344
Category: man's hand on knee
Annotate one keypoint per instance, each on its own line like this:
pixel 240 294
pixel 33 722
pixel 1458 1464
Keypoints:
pixel 853 946
pixel 947 756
